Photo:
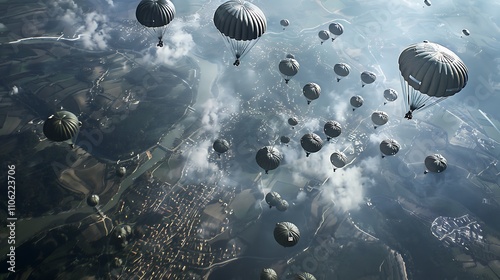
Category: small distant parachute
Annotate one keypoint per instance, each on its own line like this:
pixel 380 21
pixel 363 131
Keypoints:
pixel 332 129
pixel 268 158
pixel 465 32
pixel 311 143
pixel 268 274
pixel 285 139
pixel 390 95
pixel 311 91
pixel 304 276
pixel 284 23
pixel 336 29
pixel 323 35
pixel 273 199
pixel 288 67
pixel 293 121
pixel 356 101
pixel 282 206
pixel 241 24
pixel 429 74
pixel 338 160
pixel 342 70
pixel 435 163
pixel 121 171
pixel 62 126
pixel 427 2
pixel 289 55
pixel 221 146
pixel 389 147
pixel 93 200
pixel 286 234
pixel 155 15
pixel 379 118
pixel 367 77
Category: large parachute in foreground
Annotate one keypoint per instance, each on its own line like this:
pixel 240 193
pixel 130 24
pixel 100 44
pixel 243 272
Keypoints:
pixel 429 74
pixel 62 126
pixel 155 15
pixel 241 24
pixel 286 234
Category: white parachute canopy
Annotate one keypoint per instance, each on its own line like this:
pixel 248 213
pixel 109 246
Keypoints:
pixel 241 24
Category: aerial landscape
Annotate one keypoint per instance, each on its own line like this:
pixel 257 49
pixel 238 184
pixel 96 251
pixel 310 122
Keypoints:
pixel 325 139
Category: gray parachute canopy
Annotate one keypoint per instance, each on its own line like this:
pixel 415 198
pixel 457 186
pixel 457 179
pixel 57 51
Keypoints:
pixel 342 70
pixel 286 234
pixel 93 200
pixel 268 274
pixel 380 117
pixel 332 129
pixel 466 32
pixel 311 91
pixel 284 22
pixel 323 35
pixel 338 159
pixel 289 55
pixel 336 29
pixel 389 147
pixel 285 139
pixel 273 199
pixel 288 67
pixel 304 276
pixel 155 15
pixel 282 206
pixel 435 163
pixel 268 158
pixel 311 143
pixel 61 126
pixel 427 2
pixel 221 146
pixel 241 24
pixel 367 77
pixel 390 94
pixel 357 101
pixel 293 121
pixel 430 72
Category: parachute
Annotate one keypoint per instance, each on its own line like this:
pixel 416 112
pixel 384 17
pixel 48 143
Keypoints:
pixel 289 55
pixel 367 78
pixel 93 200
pixel 390 95
pixel 338 160
pixel 62 126
pixel 285 139
pixel 389 147
pixel 155 15
pixel 241 24
pixel 336 29
pixel 342 70
pixel 465 32
pixel 288 67
pixel 268 158
pixel 304 276
pixel 284 23
pixel 273 199
pixel 268 274
pixel 435 163
pixel 323 35
pixel 293 121
pixel 427 2
pixel 356 101
pixel 429 74
pixel 220 146
pixel 286 234
pixel 379 118
pixel 282 206
pixel 332 129
pixel 311 91
pixel 311 143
